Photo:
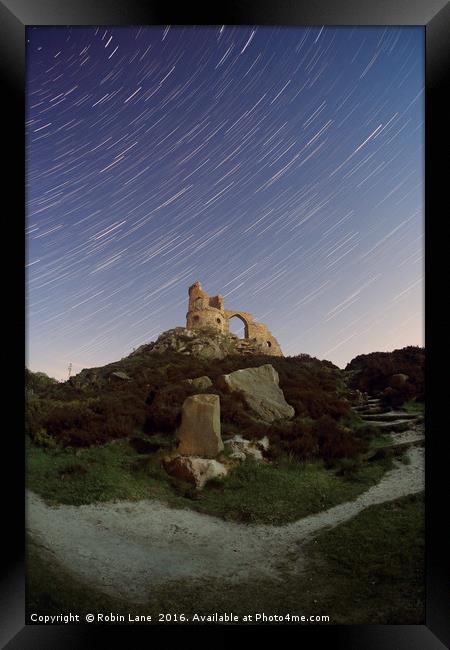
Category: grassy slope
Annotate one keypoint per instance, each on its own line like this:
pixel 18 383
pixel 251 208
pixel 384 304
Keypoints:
pixel 369 570
pixel 253 492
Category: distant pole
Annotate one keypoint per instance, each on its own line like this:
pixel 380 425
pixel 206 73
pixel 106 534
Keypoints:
pixel 70 368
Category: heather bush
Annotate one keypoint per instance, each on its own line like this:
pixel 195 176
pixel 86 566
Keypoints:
pixel 41 439
pixel 163 411
pixel 372 373
pixel 94 406
pixel 396 397
pixel 38 383
pixel 335 441
pixel 348 467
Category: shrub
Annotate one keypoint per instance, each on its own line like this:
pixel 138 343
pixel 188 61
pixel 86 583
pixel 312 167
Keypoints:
pixel 366 431
pixel 335 441
pixel 42 439
pixel 91 409
pixel 372 372
pixel 38 383
pixel 306 439
pixel 396 397
pixel 348 467
pixel 164 410
pixel 72 470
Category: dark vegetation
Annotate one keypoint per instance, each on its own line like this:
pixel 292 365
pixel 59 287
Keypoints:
pixel 372 373
pixel 96 406
pixel 143 403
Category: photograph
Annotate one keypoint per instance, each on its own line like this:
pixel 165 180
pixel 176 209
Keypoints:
pixel 225 324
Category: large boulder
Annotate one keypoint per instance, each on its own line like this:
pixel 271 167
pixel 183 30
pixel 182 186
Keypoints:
pixel 194 470
pixel 260 390
pixel 398 380
pixel 199 433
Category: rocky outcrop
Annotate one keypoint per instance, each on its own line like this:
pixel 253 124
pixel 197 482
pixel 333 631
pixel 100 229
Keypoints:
pixel 199 433
pixel 120 375
pixel 259 387
pixel 206 343
pixel 240 448
pixel 200 383
pixel 197 471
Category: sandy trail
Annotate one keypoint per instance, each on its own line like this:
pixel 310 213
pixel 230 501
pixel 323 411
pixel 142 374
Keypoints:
pixel 413 435
pixel 126 548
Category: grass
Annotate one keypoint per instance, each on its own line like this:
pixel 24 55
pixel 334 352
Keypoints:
pixel 382 440
pixel 369 570
pixel 376 564
pixel 85 476
pixel 414 407
pixel 252 492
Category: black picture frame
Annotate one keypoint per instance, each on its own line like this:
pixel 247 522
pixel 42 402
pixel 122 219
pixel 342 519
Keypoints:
pixel 15 15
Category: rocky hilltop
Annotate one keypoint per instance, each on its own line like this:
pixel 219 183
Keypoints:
pixel 207 343
pixel 193 346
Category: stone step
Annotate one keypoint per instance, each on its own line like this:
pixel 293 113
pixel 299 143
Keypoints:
pixel 397 447
pixel 388 417
pixel 397 426
pixel 373 411
pixel 361 407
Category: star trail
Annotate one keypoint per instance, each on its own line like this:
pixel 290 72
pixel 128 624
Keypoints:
pixel 280 166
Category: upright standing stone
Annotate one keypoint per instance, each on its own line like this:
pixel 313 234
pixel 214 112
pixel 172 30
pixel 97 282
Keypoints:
pixel 199 433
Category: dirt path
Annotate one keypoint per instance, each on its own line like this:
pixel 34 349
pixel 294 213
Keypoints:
pixel 126 548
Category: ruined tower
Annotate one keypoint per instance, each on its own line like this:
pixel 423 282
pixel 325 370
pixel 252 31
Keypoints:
pixel 205 311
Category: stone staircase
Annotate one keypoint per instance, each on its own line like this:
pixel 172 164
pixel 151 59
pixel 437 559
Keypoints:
pixel 404 428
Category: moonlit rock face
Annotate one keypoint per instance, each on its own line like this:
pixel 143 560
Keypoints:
pixel 260 390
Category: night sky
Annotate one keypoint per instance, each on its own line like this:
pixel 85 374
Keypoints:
pixel 280 166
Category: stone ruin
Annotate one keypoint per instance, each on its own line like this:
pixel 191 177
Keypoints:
pixel 207 311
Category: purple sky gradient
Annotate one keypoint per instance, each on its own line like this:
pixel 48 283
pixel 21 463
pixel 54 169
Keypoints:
pixel 282 167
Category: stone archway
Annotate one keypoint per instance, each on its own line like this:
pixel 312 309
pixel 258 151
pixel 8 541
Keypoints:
pixel 242 319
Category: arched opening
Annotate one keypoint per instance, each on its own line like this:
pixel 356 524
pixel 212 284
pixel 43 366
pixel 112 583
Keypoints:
pixel 269 344
pixel 238 326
